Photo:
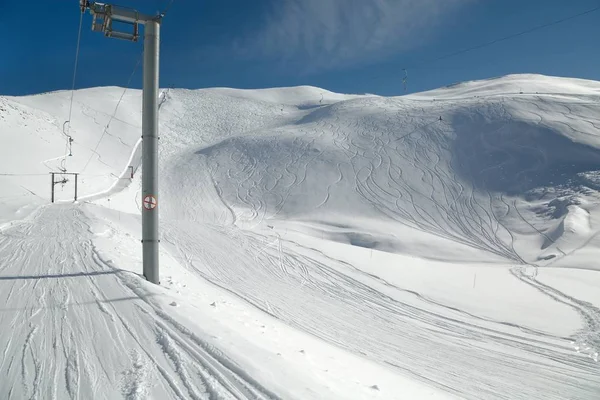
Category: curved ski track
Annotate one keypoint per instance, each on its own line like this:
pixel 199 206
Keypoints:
pixel 383 157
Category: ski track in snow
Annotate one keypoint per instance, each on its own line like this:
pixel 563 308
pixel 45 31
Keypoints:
pixel 587 340
pixel 432 342
pixel 88 330
pixel 378 160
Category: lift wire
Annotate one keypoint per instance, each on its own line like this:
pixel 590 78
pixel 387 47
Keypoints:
pixel 46 174
pixel 63 161
pixel 69 138
pixel 75 68
pixel 115 111
pixel 502 39
pixel 23 174
pixel 32 192
pixel 167 8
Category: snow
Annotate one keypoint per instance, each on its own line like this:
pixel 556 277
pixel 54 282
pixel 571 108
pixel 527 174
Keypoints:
pixel 313 244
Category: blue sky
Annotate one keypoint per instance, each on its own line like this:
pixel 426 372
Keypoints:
pixel 349 46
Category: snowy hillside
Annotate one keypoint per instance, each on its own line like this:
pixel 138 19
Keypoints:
pixel 314 245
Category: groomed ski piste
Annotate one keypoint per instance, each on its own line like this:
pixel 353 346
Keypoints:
pixel 314 245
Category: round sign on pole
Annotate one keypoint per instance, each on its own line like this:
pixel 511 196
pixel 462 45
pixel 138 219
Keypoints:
pixel 150 202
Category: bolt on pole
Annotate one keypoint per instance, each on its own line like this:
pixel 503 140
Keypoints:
pixel 103 17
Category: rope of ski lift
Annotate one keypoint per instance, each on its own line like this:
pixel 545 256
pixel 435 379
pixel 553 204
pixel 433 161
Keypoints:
pixel 114 112
pixel 67 124
pixel 501 39
pixel 167 8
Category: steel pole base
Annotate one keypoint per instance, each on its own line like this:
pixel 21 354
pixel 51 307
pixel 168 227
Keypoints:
pixel 150 254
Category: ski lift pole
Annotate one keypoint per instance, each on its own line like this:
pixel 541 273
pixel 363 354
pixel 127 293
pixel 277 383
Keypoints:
pixel 103 17
pixel 52 187
pixel 150 238
pixel 62 181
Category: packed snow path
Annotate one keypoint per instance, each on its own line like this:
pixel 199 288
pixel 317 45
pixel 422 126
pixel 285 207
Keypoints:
pixel 75 327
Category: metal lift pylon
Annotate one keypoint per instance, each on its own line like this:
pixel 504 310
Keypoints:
pixel 103 17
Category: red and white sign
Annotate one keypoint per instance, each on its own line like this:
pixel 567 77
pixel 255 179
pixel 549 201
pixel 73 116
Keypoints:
pixel 150 202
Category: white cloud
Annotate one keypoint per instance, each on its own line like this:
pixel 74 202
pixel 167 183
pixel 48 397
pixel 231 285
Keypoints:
pixel 329 33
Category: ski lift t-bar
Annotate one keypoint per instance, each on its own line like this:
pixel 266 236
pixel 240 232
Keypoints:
pixel 104 16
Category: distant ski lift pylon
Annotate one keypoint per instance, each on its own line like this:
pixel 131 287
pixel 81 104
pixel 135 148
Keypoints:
pixel 104 15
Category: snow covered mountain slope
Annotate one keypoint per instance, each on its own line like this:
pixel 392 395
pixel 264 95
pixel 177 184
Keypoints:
pixel 366 170
pixel 437 244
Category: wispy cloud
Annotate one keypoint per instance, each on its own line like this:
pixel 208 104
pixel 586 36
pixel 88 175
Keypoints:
pixel 330 33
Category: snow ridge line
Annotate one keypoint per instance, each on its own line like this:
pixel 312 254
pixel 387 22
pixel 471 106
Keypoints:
pixel 163 97
pixel 122 176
